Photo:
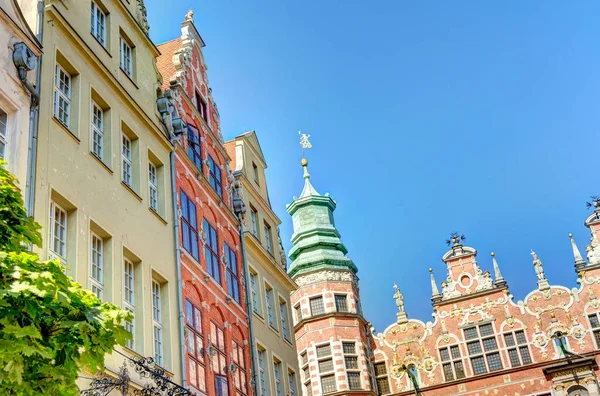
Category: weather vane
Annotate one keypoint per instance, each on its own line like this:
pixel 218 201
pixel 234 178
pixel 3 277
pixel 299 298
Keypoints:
pixel 304 143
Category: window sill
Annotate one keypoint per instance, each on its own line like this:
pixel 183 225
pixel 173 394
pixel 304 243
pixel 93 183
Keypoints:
pixel 128 187
pixel 101 163
pixel 66 129
pixel 101 45
pixel 129 78
pixel 155 213
pixel 273 329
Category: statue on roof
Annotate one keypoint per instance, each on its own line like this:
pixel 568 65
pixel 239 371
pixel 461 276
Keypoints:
pixel 593 250
pixel 538 267
pixel 189 17
pixel 399 298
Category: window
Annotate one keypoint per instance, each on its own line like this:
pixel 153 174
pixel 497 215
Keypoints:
pixel 483 348
pixel 189 226
pixel 268 243
pixel 126 160
pixel 97 266
pixel 254 292
pixel 517 348
pixel 316 306
pixel 351 362
pixel 254 219
pixel 194 148
pixel 129 298
pixel 383 384
pixel 305 372
pixel 328 383
pixel 211 247
pixel 233 281
pixel 3 133
pixel 595 324
pixel 157 323
pixel 298 310
pixel 292 382
pixel 255 172
pixel 340 303
pixel 97 131
pixel 62 95
pixel 270 311
pixel 278 384
pixel 195 346
pixel 98 24
pixel 201 106
pixel 219 366
pixel 284 320
pixel 152 187
pixel 239 376
pixel 452 364
pixel 126 57
pixel 325 365
pixel 215 176
pixel 58 232
pixel 264 389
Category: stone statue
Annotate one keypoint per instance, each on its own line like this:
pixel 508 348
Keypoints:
pixel 449 288
pixel 593 250
pixel 399 299
pixel 537 265
pixel 141 16
pixel 190 16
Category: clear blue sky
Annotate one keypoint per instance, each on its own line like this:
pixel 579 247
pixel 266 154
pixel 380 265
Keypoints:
pixel 425 117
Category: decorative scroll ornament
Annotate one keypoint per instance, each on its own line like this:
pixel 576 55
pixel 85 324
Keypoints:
pixel 326 276
pixel 141 16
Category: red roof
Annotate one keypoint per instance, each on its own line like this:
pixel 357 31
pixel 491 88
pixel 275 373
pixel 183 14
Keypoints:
pixel 164 62
pixel 230 148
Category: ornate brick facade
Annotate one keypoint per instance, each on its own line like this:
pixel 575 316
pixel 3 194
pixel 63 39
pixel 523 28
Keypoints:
pixel 216 331
pixel 481 341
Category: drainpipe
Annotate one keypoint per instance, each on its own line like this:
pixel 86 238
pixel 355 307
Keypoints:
pixel 167 112
pixel 34 115
pixel 249 309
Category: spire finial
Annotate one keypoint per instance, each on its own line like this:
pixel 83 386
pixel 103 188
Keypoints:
pixel 435 293
pixel 497 274
pixel 579 261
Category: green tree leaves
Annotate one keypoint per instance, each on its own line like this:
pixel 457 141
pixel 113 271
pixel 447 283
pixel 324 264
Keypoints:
pixel 50 327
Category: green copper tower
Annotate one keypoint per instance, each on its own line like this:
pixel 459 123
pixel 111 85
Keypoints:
pixel 317 244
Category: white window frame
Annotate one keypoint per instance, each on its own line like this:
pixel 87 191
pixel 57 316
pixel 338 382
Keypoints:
pixel 62 239
pixel 62 92
pixel 157 323
pixel 126 54
pixel 284 319
pixel 269 301
pixel 129 298
pixel 98 23
pixel 254 293
pixel 254 221
pixel 96 265
pixel 292 382
pixel 126 162
pixel 97 130
pixel 262 375
pixel 153 187
pixel 277 376
pixel 3 133
pixel 268 241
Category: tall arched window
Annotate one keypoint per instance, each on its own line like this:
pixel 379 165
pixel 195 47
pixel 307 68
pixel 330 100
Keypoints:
pixel 195 338
pixel 239 375
pixel 218 360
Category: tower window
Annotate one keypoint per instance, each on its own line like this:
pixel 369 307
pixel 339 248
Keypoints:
pixel 383 385
pixel 341 303
pixel 316 306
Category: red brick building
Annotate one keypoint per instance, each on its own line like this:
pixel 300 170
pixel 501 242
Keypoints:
pixel 216 320
pixel 331 333
pixel 483 342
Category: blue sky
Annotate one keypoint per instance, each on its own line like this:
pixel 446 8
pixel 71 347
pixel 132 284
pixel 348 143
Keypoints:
pixel 425 118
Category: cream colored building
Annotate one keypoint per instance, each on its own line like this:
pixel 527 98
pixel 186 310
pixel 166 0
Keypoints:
pixel 103 183
pixel 269 286
pixel 16 40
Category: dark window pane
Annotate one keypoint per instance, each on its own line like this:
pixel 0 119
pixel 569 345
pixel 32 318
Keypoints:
pixel 474 348
pixel 594 320
pixel 340 303
pixel 383 386
pixel 354 380
pixel 494 361
pixel 455 350
pixel 351 362
pixel 509 339
pixel 316 306
pixel 444 355
pixel 486 330
pixel 323 350
pixel 524 351
pixel 325 365
pixel 489 344
pixel 380 369
pixel 448 374
pixel 304 358
pixel 328 383
pixel 349 348
pixel 520 336
pixel 460 370
pixel 470 333
pixel 514 357
pixel 478 365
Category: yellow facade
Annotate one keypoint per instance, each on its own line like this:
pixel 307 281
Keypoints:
pixel 274 345
pixel 106 209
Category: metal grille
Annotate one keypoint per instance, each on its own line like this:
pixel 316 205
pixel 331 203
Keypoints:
pixel 316 306
pixel 323 350
pixel 351 362
pixel 328 383
pixel 354 380
pixel 340 303
pixel 349 348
